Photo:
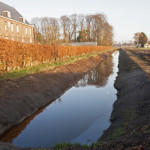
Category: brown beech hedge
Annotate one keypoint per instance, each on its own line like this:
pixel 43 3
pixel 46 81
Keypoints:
pixel 15 55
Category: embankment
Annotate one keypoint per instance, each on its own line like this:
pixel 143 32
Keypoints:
pixel 130 117
pixel 21 98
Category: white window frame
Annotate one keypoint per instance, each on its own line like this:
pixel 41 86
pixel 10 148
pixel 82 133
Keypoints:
pixel 9 24
pixel 17 29
pixel 30 40
pixel 12 28
pixel 5 27
pixel 9 14
pixel 26 30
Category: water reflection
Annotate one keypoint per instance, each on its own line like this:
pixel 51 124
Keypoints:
pixel 80 115
pixel 98 77
pixel 13 133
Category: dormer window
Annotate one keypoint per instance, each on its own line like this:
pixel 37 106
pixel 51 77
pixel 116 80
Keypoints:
pixel 7 14
pixel 22 19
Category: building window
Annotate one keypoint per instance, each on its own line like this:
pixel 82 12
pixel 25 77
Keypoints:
pixel 6 37
pixel 8 24
pixel 17 28
pixel 26 30
pixel 7 14
pixel 22 40
pixel 12 27
pixel 22 19
pixel 30 31
pixel 12 38
pixel 5 27
pixel 22 29
pixel 30 40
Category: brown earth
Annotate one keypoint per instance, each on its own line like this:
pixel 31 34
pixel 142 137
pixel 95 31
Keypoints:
pixel 130 128
pixel 131 114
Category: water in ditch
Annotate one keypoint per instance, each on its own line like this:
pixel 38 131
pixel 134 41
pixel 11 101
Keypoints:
pixel 79 116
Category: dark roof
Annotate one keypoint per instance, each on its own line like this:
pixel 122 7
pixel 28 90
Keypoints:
pixel 15 15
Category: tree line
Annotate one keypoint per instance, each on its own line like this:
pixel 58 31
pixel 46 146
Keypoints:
pixel 74 28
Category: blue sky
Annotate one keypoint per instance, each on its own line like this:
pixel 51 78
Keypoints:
pixel 126 16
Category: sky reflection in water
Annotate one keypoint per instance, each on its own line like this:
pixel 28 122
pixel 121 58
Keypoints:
pixel 80 115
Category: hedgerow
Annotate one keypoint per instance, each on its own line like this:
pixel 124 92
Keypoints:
pixel 15 55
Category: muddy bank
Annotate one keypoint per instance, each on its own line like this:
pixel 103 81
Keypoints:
pixel 21 98
pixel 130 117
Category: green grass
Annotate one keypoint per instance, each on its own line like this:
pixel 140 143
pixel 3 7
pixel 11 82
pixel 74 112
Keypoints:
pixel 60 146
pixel 68 145
pixel 44 67
pixel 117 133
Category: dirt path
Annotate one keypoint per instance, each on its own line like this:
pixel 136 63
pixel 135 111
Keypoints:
pixel 142 58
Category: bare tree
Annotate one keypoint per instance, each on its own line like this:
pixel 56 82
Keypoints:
pixel 89 26
pixel 66 27
pixel 50 30
pixel 81 22
pixel 74 26
pixel 84 28
pixel 38 38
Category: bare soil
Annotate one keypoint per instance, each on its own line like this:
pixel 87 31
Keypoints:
pixel 131 114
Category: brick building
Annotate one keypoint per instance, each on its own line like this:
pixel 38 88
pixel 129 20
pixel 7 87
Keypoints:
pixel 14 26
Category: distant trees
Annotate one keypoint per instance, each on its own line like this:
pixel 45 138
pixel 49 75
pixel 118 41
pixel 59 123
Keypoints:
pixel 66 29
pixel 136 38
pixel 46 30
pixel 140 38
pixel 143 39
pixel 74 28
